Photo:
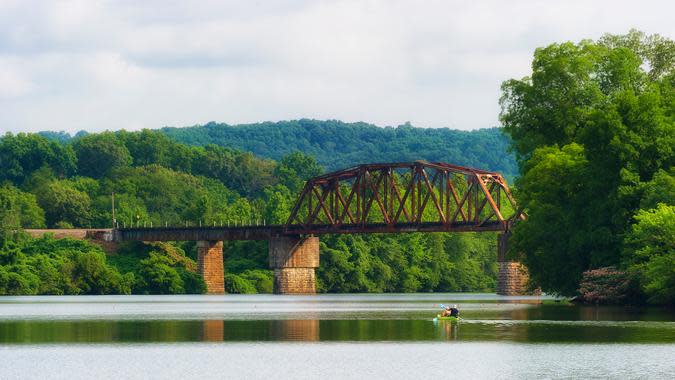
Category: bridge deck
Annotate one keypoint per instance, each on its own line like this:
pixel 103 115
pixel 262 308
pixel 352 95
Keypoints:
pixel 267 232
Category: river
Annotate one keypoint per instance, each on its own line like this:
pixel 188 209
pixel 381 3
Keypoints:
pixel 329 336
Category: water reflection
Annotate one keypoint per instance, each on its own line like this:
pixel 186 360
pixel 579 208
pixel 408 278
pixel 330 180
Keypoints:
pixel 449 330
pixel 33 332
pixel 359 318
pixel 295 330
pixel 213 331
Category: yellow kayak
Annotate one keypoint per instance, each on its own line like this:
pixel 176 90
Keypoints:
pixel 451 319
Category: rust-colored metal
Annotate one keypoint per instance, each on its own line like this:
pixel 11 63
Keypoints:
pixel 437 197
pixel 375 198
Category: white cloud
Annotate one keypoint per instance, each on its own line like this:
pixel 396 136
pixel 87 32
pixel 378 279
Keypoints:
pixel 125 64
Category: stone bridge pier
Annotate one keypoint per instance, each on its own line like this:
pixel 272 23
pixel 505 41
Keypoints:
pixel 210 265
pixel 513 276
pixel 294 259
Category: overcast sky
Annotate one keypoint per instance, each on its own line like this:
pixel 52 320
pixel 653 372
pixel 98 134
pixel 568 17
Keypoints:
pixel 95 65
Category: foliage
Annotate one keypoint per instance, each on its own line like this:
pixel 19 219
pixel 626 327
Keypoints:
pixel 158 268
pixel 57 266
pixel 237 284
pixel 61 203
pixel 650 252
pixel 262 280
pixel 19 209
pixel 607 285
pixel 295 168
pixel 158 181
pixel 661 189
pixel 23 154
pixel 159 277
pixel 593 129
pixel 100 154
pixel 408 263
pixel 556 262
pixel 338 145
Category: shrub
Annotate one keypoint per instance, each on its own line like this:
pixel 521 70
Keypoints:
pixel 238 285
pixel 263 280
pixel 608 286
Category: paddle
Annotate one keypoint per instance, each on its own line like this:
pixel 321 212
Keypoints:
pixel 442 307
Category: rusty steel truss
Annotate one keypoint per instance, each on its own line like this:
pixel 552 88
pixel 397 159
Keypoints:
pixel 404 197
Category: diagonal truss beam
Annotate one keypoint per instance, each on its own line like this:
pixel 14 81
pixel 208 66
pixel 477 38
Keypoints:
pixel 462 199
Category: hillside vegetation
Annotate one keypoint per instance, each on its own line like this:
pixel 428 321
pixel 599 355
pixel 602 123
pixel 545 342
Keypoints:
pixel 337 145
pixel 56 181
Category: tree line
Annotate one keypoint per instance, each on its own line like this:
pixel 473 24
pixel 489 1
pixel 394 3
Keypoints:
pixel 337 145
pixel 49 182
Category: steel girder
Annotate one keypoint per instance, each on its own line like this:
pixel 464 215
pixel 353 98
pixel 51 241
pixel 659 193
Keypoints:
pixel 404 197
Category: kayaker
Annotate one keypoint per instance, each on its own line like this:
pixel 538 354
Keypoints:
pixel 454 311
pixel 450 311
pixel 446 312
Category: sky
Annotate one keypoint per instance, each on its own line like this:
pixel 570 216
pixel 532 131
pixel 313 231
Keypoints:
pixel 97 65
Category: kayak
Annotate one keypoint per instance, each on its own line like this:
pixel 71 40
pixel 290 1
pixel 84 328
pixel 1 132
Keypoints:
pixel 451 319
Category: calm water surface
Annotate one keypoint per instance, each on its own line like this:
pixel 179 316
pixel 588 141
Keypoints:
pixel 329 336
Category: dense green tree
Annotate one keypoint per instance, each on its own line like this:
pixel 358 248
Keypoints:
pixel 295 168
pixel 650 251
pixel 592 127
pixel 278 204
pixel 237 284
pixel 19 209
pixel 158 276
pixel 408 263
pixel 147 147
pixel 100 154
pixel 261 279
pixel 661 189
pixel 62 203
pixel 338 145
pixel 57 266
pixel 22 154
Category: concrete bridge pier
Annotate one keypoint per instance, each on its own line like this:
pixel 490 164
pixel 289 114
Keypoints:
pixel 513 276
pixel 294 260
pixel 210 265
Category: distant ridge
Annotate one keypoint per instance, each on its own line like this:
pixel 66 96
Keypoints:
pixel 336 144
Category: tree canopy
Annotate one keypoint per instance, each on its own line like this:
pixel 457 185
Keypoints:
pixel 337 145
pixel 593 128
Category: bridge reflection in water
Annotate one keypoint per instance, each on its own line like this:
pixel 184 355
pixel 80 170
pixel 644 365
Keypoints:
pixel 279 330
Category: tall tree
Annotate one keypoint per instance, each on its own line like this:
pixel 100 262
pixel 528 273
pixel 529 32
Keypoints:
pixel 22 154
pixel 591 124
pixel 99 154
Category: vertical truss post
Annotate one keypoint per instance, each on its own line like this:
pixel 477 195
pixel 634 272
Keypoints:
pixel 310 194
pixel 419 193
pixel 469 204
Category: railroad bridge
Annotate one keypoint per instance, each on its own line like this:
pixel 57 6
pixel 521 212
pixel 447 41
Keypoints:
pixel 372 198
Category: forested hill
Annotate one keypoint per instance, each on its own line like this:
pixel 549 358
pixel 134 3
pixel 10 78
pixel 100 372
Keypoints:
pixel 56 181
pixel 337 144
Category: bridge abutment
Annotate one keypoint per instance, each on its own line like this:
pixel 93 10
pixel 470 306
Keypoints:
pixel 210 265
pixel 513 276
pixel 294 260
